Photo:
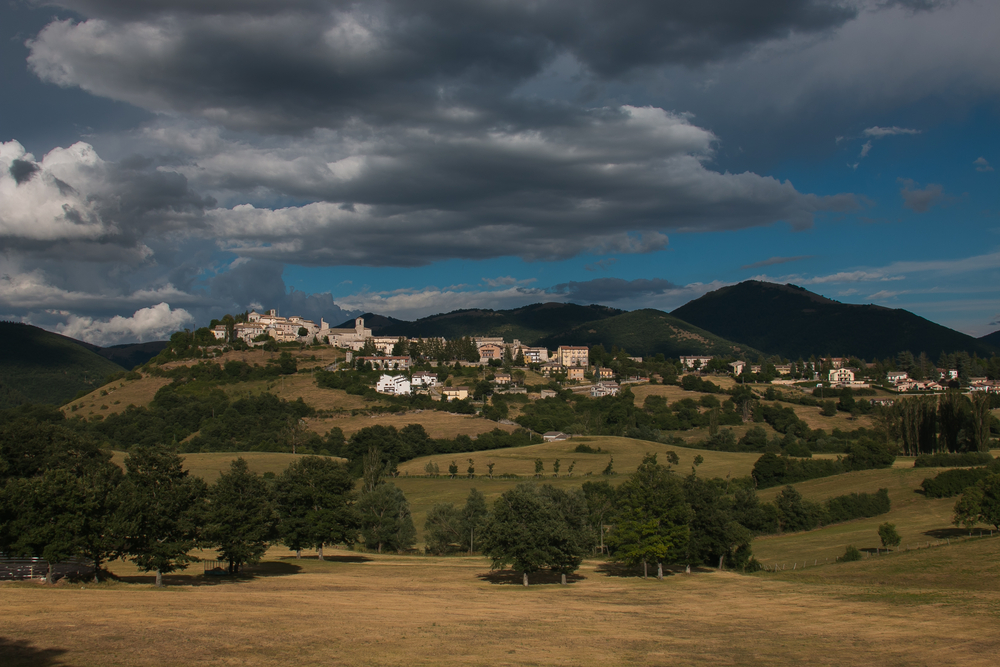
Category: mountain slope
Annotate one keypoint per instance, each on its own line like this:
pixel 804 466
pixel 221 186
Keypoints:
pixel 528 324
pixel 991 339
pixel 793 322
pixel 648 332
pixel 43 367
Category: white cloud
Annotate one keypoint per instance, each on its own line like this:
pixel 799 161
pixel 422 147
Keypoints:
pixel 879 132
pixel 153 323
pixel 982 164
pixel 504 281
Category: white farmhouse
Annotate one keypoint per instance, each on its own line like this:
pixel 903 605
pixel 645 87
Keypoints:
pixel 841 376
pixel 397 385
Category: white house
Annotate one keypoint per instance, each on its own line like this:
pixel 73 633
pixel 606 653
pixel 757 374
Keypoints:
pixel 688 363
pixel 424 379
pixel 897 377
pixel 606 388
pixel 396 385
pixel 737 367
pixel 841 376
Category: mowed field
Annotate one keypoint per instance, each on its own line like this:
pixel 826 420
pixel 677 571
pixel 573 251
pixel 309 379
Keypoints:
pixel 936 606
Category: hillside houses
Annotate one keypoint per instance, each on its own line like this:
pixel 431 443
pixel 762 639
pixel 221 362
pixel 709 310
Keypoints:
pixel 395 385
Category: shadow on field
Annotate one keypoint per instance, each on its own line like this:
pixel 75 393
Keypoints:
pixel 17 652
pixel 947 533
pixel 331 559
pixel 619 570
pixel 194 577
pixel 515 578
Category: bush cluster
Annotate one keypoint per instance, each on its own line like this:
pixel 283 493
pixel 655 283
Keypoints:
pixel 952 459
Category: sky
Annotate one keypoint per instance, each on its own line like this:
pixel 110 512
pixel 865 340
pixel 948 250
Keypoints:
pixel 168 161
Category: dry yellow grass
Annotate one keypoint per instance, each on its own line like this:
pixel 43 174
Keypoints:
pixel 397 610
pixel 208 466
pixel 120 395
pixel 437 424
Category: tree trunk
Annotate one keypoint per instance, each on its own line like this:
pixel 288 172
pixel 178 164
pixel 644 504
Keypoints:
pixel 645 570
pixel 563 582
pixel 321 552
pixel 97 571
pixel 525 578
pixel 298 554
pixel 48 577
pixel 159 578
pixel 659 571
pixel 722 560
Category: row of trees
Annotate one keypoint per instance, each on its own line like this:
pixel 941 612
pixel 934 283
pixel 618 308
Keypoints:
pixel 952 422
pixel 62 497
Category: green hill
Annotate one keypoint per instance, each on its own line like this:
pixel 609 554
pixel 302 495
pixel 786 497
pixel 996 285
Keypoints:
pixel 529 324
pixel 793 322
pixel 991 339
pixel 648 332
pixel 39 366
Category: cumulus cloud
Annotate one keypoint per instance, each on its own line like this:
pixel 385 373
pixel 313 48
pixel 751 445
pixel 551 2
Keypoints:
pixel 920 200
pixel 153 323
pixel 775 260
pixel 982 164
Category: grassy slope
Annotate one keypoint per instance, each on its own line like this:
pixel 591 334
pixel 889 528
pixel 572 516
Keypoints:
pixel 44 367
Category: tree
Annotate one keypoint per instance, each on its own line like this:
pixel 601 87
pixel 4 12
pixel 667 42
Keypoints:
pixel 315 498
pixel 539 467
pixel 979 422
pixel 161 510
pixel 609 469
pixel 453 469
pixel 968 508
pixel 443 529
pixel 385 518
pixel 241 519
pixel 651 522
pixel 555 468
pixel 471 470
pixel 600 497
pixel 489 467
pixel 989 504
pixel 474 516
pixel 887 533
pixel 534 527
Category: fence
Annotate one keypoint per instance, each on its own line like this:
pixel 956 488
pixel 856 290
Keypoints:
pixel 18 569
pixel 796 565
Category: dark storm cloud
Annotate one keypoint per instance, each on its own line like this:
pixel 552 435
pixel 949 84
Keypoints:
pixel 260 284
pixel 304 64
pixel 611 290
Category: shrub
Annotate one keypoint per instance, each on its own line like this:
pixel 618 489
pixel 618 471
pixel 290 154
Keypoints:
pixel 887 533
pixel 952 460
pixel 850 554
pixel 858 506
pixel 586 449
pixel 952 482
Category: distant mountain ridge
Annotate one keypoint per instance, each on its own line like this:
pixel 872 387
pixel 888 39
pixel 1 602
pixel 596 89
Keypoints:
pixel 529 324
pixel 793 322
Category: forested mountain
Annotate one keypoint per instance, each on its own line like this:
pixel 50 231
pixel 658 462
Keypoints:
pixel 529 324
pixel 991 339
pixel 790 321
pixel 645 333
pixel 39 366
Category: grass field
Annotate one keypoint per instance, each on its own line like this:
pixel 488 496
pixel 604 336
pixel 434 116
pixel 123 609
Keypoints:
pixel 935 606
pixel 120 395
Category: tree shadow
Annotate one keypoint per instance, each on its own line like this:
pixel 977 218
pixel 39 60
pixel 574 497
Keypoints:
pixel 331 559
pixel 19 653
pixel 947 533
pixel 516 577
pixel 194 577
pixel 612 569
